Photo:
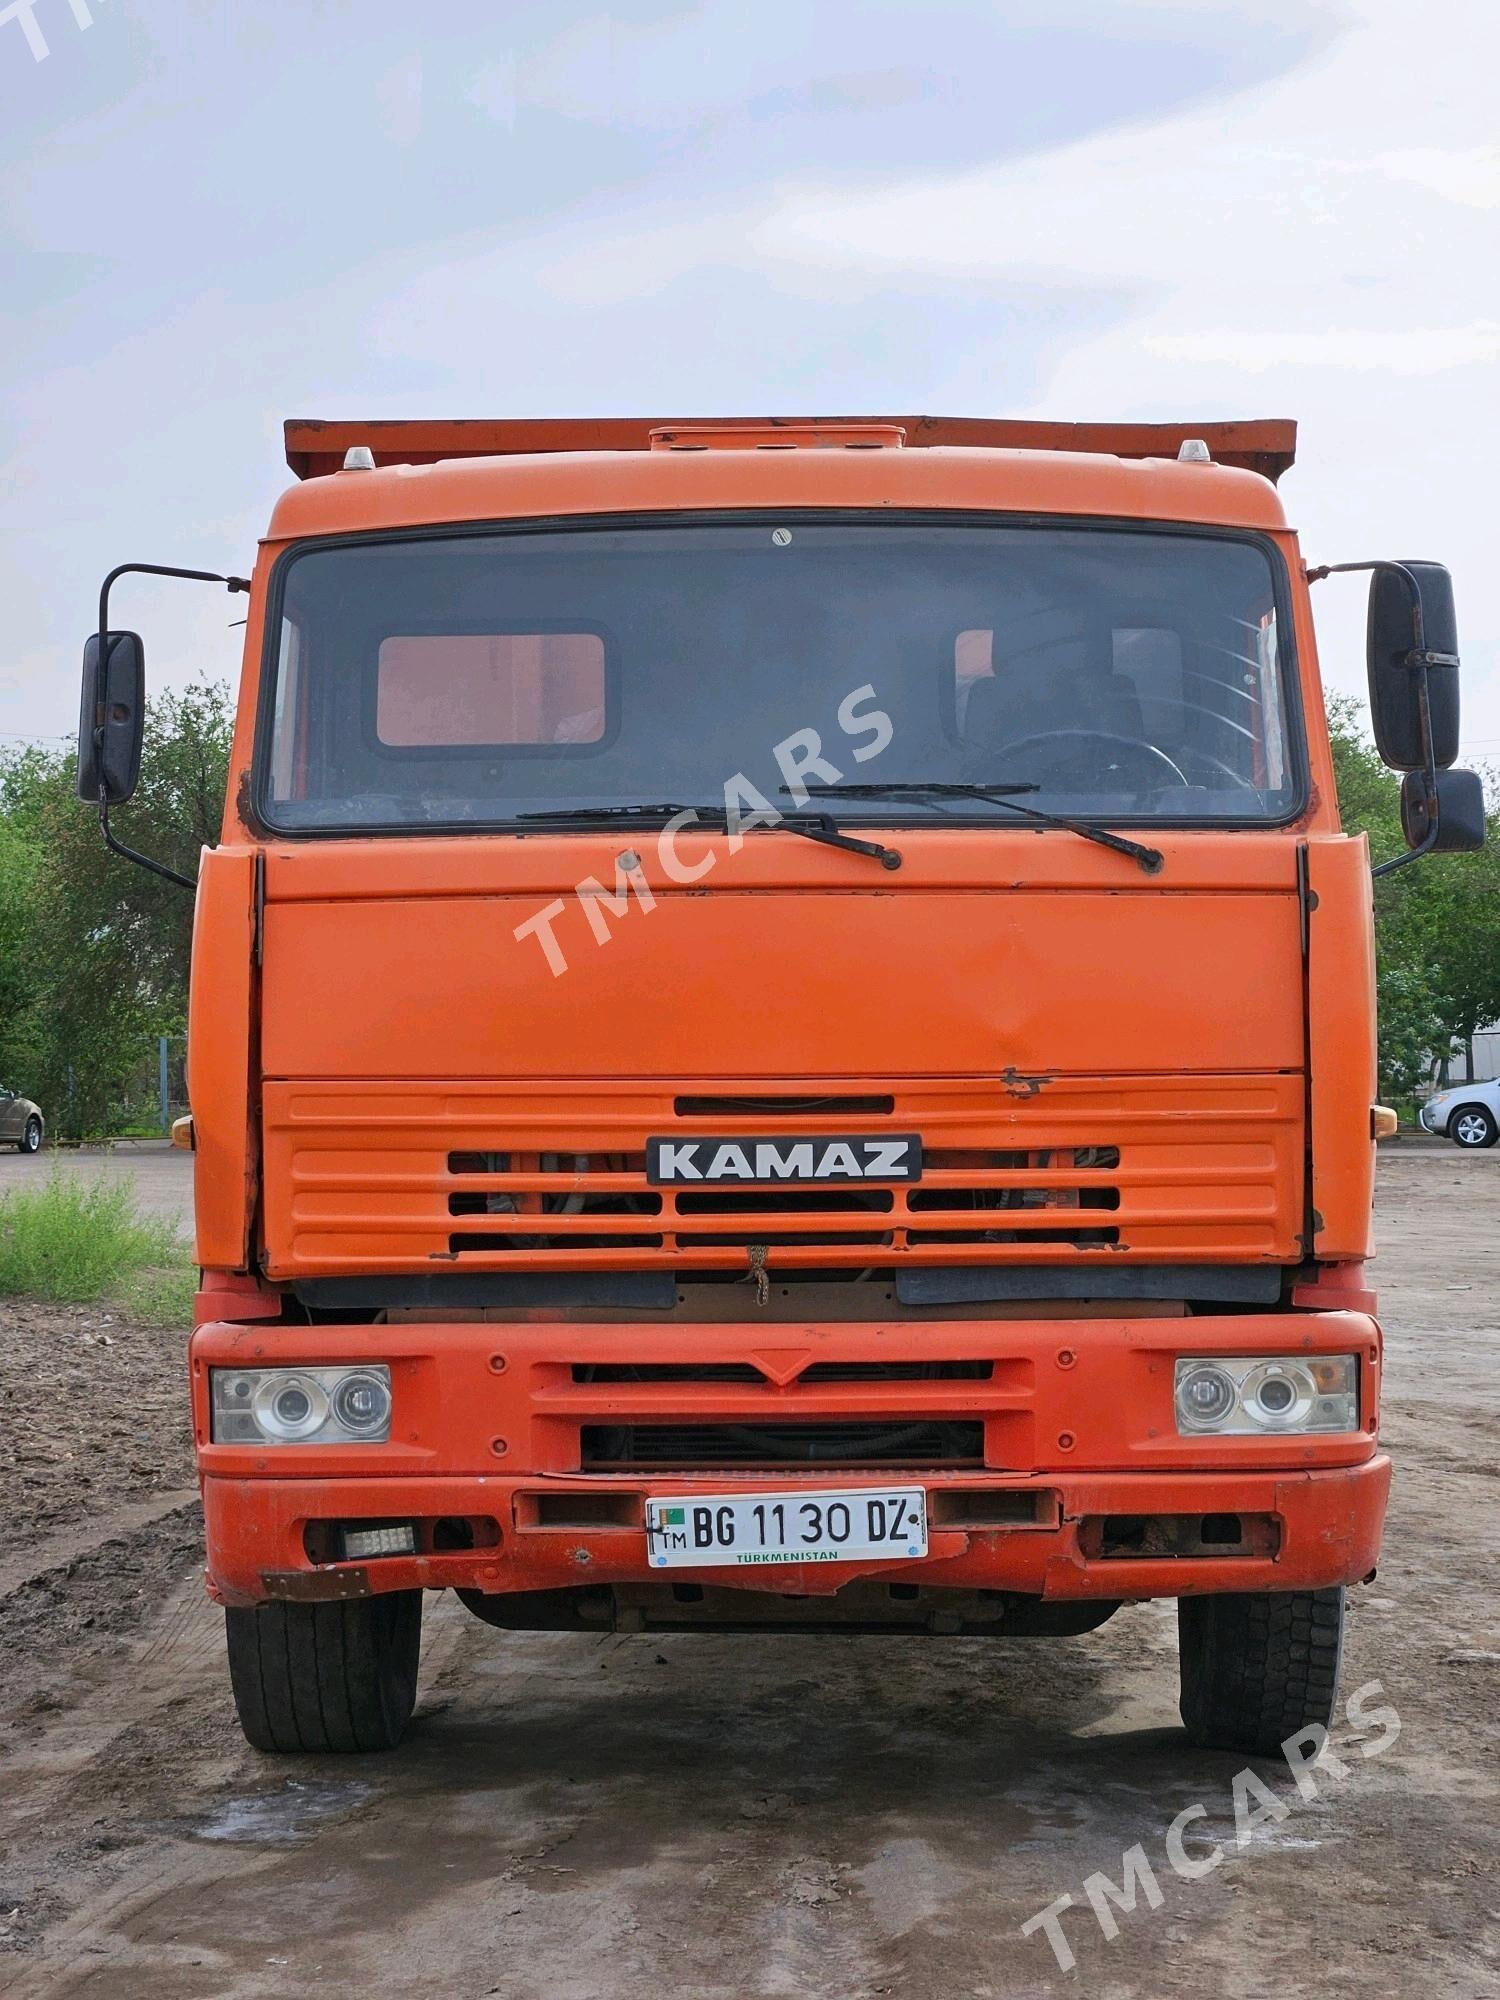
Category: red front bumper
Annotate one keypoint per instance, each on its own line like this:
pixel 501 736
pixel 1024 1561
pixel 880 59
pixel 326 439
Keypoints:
pixel 1075 1417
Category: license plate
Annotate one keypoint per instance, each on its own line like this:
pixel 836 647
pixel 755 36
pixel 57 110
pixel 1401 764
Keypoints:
pixel 740 1530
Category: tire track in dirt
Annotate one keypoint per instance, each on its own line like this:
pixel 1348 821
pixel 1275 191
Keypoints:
pixel 103 1758
pixel 58 1551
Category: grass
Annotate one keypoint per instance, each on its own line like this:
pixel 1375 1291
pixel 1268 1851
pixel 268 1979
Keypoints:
pixel 161 1296
pixel 74 1240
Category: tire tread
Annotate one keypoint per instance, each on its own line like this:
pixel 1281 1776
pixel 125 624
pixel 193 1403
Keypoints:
pixel 339 1677
pixel 1258 1667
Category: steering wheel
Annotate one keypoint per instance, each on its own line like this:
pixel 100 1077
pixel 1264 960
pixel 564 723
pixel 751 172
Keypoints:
pixel 1196 756
pixel 1071 747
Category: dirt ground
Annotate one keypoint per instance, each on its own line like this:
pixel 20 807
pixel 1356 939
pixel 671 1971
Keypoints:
pixel 726 1819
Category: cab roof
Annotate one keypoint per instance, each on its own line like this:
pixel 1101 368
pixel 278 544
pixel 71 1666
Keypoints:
pixel 409 472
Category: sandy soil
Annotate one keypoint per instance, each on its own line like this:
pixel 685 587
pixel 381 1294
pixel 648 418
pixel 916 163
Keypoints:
pixel 826 1818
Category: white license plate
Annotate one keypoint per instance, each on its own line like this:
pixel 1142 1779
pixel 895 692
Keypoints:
pixel 739 1530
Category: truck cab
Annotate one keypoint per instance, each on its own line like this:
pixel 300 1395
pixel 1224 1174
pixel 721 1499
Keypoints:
pixel 782 1036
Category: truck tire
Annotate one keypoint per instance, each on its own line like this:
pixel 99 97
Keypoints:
pixel 1257 1668
pixel 326 1677
pixel 1473 1126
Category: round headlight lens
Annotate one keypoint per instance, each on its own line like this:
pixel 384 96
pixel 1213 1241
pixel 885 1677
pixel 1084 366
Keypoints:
pixel 290 1406
pixel 1205 1395
pixel 362 1404
pixel 1279 1395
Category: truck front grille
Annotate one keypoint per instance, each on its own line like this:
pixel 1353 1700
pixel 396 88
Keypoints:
pixel 367 1178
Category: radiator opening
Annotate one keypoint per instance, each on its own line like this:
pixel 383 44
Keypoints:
pixel 744 1373
pixel 487 1239
pixel 1052 1159
pixel 914 1445
pixel 1078 1239
pixel 1030 1198
pixel 785 1201
pixel 783 1107
pixel 774 1235
pixel 481 1202
pixel 668 1371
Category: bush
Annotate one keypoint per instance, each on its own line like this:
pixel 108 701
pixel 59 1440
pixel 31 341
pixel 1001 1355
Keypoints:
pixel 75 1240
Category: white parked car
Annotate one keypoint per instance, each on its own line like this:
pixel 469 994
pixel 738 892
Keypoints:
pixel 1467 1113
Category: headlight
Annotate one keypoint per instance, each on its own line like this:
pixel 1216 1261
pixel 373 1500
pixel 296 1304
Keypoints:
pixel 1252 1395
pixel 302 1405
pixel 286 1407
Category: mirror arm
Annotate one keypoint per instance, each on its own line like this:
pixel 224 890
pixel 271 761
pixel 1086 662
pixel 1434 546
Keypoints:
pixel 141 860
pixel 232 584
pixel 1419 656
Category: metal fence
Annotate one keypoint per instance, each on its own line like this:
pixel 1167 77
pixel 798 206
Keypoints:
pixel 152 1093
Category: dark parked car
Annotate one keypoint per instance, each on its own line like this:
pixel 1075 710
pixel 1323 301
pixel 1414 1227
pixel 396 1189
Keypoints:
pixel 21 1122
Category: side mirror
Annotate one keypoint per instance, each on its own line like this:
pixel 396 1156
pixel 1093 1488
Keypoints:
pixel 1448 820
pixel 1411 628
pixel 111 719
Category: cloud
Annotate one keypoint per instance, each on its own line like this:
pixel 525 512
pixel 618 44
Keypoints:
pixel 1403 351
pixel 495 91
pixel 1469 174
pixel 1266 199
pixel 1070 208
pixel 398 100
pixel 1271 252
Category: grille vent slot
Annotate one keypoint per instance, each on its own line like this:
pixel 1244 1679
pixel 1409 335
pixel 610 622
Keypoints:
pixel 494 1239
pixel 784 1107
pixel 724 1200
pixel 616 1448
pixel 819 1371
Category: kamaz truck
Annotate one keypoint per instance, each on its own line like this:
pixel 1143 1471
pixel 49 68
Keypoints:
pixel 782 1039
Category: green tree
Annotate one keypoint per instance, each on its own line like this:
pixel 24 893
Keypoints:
pixel 1437 923
pixel 101 952
pixel 19 985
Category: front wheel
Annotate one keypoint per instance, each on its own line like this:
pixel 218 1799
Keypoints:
pixel 321 1677
pixel 31 1138
pixel 1472 1126
pixel 1257 1668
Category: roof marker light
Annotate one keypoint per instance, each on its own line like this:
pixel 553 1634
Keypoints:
pixel 360 458
pixel 1194 451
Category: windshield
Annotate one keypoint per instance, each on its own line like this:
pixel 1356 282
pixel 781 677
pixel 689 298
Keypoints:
pixel 473 678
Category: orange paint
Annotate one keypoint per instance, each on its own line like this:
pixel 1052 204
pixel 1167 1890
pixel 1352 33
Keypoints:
pixel 1129 1072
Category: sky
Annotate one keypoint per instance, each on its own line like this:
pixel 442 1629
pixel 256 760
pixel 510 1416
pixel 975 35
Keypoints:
pixel 218 213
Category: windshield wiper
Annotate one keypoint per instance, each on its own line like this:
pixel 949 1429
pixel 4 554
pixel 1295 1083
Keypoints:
pixel 1149 858
pixel 585 813
pixel 812 826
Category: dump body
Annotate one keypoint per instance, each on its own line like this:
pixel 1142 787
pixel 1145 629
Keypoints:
pixel 801 1173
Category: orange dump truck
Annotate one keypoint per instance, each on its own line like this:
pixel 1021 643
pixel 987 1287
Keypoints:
pixel 782 1038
